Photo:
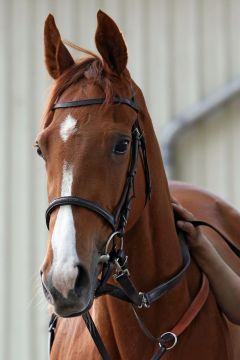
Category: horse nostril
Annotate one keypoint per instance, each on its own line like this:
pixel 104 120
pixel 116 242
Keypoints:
pixel 82 280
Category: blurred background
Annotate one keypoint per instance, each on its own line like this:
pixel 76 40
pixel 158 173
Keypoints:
pixel 185 56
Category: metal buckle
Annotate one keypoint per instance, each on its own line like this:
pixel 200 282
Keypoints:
pixel 167 338
pixel 120 268
pixel 144 303
pixel 137 132
pixel 109 240
pixel 104 258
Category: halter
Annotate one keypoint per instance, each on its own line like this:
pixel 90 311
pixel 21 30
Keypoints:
pixel 116 258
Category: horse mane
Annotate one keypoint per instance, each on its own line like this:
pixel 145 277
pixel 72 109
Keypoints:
pixel 91 68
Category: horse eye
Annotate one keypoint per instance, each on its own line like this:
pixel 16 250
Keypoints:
pixel 121 147
pixel 39 151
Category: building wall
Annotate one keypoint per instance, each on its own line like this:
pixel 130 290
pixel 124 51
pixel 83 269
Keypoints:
pixel 179 52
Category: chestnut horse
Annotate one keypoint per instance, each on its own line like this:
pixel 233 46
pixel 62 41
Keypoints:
pixel 98 170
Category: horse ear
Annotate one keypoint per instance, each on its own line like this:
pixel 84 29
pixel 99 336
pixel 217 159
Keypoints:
pixel 57 56
pixel 110 43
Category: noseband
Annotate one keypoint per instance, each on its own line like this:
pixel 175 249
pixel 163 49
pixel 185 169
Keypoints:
pixel 118 219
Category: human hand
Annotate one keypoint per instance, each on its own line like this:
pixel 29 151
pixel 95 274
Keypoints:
pixel 194 235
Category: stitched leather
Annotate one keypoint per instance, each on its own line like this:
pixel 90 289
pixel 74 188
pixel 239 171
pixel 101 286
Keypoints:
pixel 155 294
pixel 194 308
pixel 98 101
pixel 77 201
pixel 129 289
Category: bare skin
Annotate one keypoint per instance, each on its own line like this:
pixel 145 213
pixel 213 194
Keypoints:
pixel 224 281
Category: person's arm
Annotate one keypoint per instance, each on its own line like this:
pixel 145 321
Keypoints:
pixel 224 281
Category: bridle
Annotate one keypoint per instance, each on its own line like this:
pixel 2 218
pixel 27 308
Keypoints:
pixel 116 258
pixel 118 219
pixel 113 257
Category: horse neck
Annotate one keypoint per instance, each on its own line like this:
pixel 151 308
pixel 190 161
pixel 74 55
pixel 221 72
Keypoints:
pixel 152 245
pixel 156 227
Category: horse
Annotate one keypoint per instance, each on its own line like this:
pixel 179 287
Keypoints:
pixel 109 194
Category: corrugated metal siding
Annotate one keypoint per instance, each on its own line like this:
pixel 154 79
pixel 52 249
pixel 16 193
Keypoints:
pixel 207 154
pixel 179 52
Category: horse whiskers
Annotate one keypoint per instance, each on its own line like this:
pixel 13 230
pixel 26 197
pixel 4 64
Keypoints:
pixel 79 48
pixel 37 298
pixel 39 303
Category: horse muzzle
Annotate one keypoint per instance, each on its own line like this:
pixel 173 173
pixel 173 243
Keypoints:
pixel 68 300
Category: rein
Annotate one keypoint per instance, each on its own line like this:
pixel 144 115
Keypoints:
pixel 116 258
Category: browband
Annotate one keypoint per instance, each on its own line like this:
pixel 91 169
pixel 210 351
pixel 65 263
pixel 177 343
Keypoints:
pixel 98 101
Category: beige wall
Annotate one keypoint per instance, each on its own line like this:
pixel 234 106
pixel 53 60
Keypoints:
pixel 179 52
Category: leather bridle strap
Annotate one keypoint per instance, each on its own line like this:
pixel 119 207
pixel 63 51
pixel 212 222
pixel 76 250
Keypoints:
pixel 77 201
pixel 155 294
pixel 51 331
pixel 147 298
pixel 118 219
pixel 232 246
pixel 169 339
pixel 96 101
pixel 96 338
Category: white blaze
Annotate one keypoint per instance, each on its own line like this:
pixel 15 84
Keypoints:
pixel 65 258
pixel 67 127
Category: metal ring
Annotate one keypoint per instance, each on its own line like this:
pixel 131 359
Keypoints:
pixel 174 337
pixel 110 239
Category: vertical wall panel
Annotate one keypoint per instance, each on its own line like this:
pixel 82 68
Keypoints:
pixel 207 153
pixel 179 52
pixel 185 62
pixel 233 40
pixel 19 185
pixel 234 172
pixel 5 151
pixel 214 47
pixel 158 66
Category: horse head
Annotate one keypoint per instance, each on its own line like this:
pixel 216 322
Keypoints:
pixel 89 141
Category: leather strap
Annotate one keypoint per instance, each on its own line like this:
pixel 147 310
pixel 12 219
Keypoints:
pixel 51 332
pixel 129 289
pixel 97 101
pixel 155 294
pixel 129 293
pixel 77 201
pixel 186 319
pixel 232 246
pixel 95 336
pixel 194 308
pixel 124 206
pixel 118 219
